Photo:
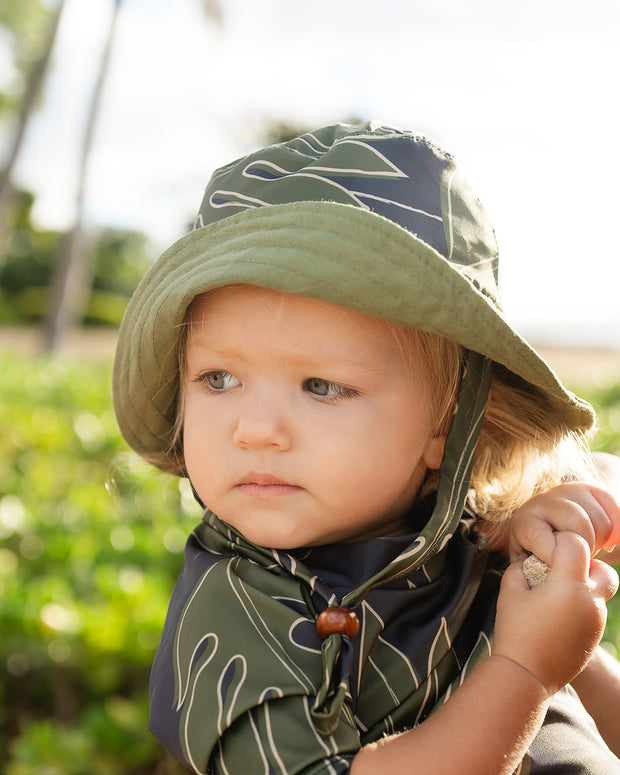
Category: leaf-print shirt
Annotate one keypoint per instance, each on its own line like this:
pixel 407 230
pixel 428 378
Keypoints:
pixel 242 683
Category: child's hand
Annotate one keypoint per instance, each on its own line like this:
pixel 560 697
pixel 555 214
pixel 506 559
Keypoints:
pixel 588 510
pixel 609 468
pixel 551 631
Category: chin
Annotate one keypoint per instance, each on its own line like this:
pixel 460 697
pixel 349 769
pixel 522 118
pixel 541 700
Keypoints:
pixel 269 539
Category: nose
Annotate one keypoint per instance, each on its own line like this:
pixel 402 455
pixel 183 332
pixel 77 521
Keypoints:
pixel 262 424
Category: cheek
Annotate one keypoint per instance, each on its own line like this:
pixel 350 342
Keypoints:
pixel 189 431
pixel 203 468
pixel 401 448
pixel 194 460
pixel 387 447
pixel 199 434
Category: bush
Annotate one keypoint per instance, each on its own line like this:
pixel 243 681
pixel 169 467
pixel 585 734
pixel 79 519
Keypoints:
pixel 92 542
pixel 119 259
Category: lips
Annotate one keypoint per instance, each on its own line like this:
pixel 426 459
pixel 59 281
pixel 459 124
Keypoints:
pixel 265 485
pixel 262 479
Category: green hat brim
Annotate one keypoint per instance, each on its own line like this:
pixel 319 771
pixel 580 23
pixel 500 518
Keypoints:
pixel 333 252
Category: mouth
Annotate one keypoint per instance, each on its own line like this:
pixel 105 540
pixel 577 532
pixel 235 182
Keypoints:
pixel 265 485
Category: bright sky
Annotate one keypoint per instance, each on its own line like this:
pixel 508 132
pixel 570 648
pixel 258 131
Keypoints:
pixel 524 94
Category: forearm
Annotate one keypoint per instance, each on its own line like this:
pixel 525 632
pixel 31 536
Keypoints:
pixel 598 687
pixel 485 728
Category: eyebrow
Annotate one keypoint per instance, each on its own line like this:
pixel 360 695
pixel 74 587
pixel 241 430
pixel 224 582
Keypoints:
pixel 308 361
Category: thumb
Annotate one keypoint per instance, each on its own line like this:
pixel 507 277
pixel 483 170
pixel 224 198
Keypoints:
pixel 571 558
pixel 513 577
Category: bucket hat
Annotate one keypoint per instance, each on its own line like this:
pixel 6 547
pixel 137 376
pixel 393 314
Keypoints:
pixel 370 217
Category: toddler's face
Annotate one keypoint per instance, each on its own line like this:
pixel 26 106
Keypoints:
pixel 304 423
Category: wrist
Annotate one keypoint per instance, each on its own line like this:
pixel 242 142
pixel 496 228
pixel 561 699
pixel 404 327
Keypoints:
pixel 525 673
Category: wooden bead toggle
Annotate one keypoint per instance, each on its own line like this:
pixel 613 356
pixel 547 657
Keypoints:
pixel 337 620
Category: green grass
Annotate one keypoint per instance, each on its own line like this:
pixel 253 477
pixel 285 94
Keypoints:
pixel 91 541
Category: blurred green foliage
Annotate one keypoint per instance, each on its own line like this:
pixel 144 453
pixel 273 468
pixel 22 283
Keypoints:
pixel 605 398
pixel 91 541
pixel 119 258
pixel 24 27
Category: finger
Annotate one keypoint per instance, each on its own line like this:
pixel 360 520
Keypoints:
pixel 579 512
pixel 611 507
pixel 601 508
pixel 610 557
pixel 532 534
pixel 571 507
pixel 604 578
pixel 571 559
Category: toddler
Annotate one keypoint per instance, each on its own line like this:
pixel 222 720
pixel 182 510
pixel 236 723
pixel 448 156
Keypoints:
pixel 326 359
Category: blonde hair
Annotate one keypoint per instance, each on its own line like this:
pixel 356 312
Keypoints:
pixel 522 449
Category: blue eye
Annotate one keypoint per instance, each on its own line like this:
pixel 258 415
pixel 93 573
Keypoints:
pixel 218 380
pixel 317 386
pixel 325 389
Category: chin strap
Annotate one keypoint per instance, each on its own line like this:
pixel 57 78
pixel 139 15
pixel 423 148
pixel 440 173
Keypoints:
pixel 196 496
pixel 427 549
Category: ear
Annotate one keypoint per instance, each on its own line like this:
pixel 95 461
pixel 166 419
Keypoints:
pixel 433 454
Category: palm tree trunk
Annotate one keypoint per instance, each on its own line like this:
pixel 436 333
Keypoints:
pixel 72 277
pixel 33 88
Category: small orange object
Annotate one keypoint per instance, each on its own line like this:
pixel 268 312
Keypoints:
pixel 337 620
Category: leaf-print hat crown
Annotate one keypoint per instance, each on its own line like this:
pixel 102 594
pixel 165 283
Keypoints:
pixel 368 217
